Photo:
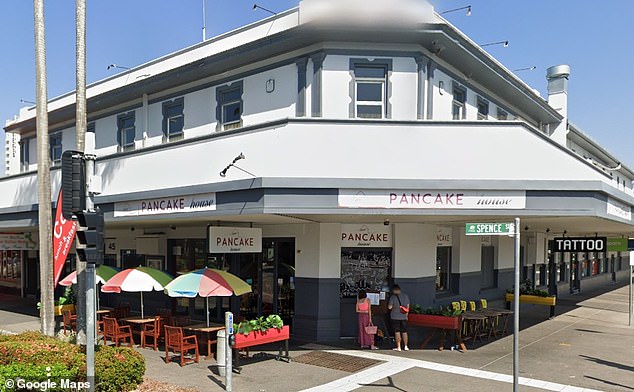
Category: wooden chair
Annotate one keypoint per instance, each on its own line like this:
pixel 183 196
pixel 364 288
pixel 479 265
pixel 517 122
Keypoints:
pixel 70 321
pixel 152 330
pixel 175 341
pixel 112 331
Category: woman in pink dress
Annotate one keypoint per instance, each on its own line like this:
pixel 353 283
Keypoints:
pixel 364 313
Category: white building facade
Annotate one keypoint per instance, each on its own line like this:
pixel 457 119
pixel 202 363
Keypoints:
pixel 366 152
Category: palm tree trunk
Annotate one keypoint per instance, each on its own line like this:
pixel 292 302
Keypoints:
pixel 43 175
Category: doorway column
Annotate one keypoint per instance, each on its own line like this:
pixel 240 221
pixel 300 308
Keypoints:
pixel 466 264
pixel 317 276
pixel 415 261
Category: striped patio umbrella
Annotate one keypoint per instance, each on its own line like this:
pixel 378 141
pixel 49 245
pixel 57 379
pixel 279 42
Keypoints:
pixel 103 274
pixel 207 282
pixel 137 280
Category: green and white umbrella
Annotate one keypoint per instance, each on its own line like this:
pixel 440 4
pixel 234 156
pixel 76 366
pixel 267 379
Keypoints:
pixel 137 280
pixel 207 282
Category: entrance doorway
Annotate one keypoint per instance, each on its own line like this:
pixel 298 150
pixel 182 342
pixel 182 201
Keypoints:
pixel 272 279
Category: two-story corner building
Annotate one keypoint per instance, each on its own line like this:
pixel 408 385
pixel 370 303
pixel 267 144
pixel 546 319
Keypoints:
pixel 366 150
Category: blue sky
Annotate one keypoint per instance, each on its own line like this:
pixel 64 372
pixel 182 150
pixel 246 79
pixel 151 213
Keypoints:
pixel 593 37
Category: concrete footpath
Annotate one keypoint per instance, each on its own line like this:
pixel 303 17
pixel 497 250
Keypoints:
pixel 587 347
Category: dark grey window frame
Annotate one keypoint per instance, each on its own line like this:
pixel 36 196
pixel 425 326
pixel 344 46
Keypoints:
pixel 121 119
pixel 458 88
pixel 502 115
pixel 220 91
pixel 387 65
pixel 482 103
pixel 55 147
pixel 168 106
pixel 25 159
pixel 90 128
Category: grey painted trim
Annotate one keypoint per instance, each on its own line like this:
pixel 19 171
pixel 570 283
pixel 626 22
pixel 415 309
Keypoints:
pixel 316 87
pixel 377 184
pixel 222 81
pixel 300 107
pixel 431 67
pixel 388 64
pixel 294 38
pixel 452 34
pixel 237 85
pixel 421 69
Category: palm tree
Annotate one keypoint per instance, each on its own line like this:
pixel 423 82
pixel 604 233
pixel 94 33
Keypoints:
pixel 43 175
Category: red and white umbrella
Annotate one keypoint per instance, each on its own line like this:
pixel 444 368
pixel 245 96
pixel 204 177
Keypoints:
pixel 137 280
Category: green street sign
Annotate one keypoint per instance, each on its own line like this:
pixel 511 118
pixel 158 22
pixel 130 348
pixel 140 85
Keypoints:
pixel 617 245
pixel 490 229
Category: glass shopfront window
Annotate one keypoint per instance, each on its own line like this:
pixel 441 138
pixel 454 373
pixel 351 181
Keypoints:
pixel 443 268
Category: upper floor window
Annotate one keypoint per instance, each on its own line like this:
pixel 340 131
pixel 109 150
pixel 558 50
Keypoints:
pixel 173 119
pixel 24 155
pixel 483 109
pixel 229 106
pixel 502 115
pixel 458 111
pixel 126 131
pixel 55 144
pixel 370 90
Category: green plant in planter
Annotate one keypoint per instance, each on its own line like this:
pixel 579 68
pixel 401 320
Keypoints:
pixel 527 289
pixel 67 299
pixel 260 324
pixel 440 311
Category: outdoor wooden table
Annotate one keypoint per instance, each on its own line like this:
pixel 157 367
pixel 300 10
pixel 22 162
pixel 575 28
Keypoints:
pixel 506 316
pixel 207 331
pixel 137 323
pixel 475 322
pixel 103 312
pixel 492 316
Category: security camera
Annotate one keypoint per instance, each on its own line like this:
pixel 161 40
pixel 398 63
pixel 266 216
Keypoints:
pixel 386 222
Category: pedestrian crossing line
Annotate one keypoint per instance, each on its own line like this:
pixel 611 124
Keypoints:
pixel 393 365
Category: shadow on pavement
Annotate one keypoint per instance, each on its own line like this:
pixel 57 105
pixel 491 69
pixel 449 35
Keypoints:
pixel 608 363
pixel 614 384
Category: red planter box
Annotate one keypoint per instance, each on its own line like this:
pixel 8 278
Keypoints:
pixel 258 338
pixel 430 321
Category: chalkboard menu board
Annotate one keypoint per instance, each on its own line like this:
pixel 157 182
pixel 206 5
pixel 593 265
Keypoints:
pixel 364 269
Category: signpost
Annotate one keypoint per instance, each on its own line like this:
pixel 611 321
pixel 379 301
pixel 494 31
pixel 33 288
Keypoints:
pixel 228 351
pixel 509 229
pixel 629 278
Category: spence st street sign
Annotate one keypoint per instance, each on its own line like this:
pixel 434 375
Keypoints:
pixel 490 229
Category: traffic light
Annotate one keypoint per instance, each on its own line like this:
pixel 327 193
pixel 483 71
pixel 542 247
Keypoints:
pixel 73 183
pixel 90 237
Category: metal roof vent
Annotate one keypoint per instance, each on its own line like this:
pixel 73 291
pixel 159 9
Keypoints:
pixel 558 71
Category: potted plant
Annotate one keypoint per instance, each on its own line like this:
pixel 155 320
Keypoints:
pixel 261 330
pixel 63 303
pixel 441 318
pixel 529 295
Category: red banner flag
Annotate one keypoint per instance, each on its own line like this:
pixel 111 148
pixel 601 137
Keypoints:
pixel 63 236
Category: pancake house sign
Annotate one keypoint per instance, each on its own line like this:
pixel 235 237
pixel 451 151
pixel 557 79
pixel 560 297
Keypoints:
pixel 366 236
pixel 432 199
pixel 166 205
pixel 234 239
